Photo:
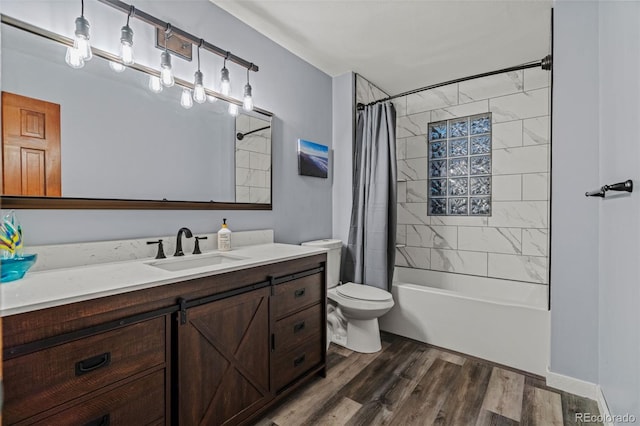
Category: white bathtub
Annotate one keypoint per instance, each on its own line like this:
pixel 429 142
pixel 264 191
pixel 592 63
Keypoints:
pixel 503 321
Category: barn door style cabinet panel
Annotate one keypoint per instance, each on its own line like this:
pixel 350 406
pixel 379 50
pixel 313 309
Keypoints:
pixel 218 350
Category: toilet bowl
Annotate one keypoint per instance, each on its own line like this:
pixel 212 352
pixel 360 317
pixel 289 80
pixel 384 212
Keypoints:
pixel 356 305
pixel 361 307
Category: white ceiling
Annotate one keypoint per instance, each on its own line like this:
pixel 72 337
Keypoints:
pixel 402 45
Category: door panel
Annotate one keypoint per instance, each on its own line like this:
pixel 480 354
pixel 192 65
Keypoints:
pixel 223 365
pixel 30 146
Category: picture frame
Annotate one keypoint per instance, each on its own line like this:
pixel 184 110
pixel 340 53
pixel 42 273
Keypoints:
pixel 313 159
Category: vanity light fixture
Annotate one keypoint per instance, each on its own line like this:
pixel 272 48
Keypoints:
pixel 247 103
pixel 225 84
pixel 199 94
pixel 166 73
pixel 80 52
pixel 126 41
pixel 185 99
pixel 155 85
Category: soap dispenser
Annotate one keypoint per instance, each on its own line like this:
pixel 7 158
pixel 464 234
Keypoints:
pixel 224 237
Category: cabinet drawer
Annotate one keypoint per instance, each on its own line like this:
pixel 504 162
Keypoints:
pixel 291 331
pixel 296 294
pixel 291 365
pixel 41 380
pixel 140 402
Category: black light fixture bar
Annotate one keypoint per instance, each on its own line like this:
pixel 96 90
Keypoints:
pixel 66 41
pixel 158 23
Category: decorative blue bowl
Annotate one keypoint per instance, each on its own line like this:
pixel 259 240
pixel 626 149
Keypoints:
pixel 14 269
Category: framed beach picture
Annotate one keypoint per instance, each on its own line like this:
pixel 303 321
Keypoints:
pixel 313 159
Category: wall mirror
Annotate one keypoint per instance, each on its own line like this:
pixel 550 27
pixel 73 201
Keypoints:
pixel 96 138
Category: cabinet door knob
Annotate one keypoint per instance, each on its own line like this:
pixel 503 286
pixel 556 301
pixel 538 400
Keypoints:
pixel 100 421
pixel 300 292
pixel 91 364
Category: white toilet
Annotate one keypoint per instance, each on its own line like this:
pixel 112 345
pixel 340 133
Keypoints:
pixel 358 305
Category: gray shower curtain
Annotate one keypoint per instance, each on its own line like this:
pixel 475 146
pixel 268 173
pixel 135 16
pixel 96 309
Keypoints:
pixel 370 254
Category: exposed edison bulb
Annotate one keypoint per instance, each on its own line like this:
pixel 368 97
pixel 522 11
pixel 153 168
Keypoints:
pixel 212 99
pixel 84 47
pixel 233 109
pixel 247 103
pixel 73 58
pixel 185 99
pixel 199 94
pixel 126 45
pixel 155 85
pixel 166 73
pixel 81 38
pixel 225 84
pixel 77 55
pixel 126 54
pixel 116 66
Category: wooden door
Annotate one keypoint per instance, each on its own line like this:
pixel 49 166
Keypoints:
pixel 30 146
pixel 223 360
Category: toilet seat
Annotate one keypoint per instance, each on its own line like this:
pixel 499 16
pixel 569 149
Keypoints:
pixel 363 292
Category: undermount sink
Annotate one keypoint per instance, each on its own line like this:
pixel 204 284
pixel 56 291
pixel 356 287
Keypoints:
pixel 197 261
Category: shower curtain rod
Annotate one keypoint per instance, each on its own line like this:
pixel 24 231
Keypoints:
pixel 545 63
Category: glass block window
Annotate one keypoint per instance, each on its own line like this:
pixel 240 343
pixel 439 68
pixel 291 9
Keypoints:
pixel 460 166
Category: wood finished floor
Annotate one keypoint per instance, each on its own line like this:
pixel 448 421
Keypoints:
pixel 410 383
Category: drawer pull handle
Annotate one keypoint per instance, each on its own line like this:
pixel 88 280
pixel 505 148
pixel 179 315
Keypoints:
pixel 90 364
pixel 298 327
pixel 299 292
pixel 101 421
pixel 299 360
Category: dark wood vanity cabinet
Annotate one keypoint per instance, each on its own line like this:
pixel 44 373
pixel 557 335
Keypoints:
pixel 209 351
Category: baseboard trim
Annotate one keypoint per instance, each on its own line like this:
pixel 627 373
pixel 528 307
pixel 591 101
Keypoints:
pixel 604 408
pixel 581 388
pixel 573 385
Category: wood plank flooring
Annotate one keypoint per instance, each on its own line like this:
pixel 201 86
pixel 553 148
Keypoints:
pixel 411 383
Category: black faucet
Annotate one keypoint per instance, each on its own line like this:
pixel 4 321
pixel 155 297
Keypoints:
pixel 185 231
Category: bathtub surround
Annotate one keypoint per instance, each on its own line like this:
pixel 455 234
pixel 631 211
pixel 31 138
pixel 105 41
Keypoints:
pixel 297 93
pixel 511 243
pixel 503 321
pixel 370 255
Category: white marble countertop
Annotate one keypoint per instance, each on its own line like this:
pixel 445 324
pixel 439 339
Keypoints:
pixel 46 289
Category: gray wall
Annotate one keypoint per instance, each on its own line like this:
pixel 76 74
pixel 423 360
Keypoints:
pixel 297 93
pixel 595 242
pixel 620 216
pixel 574 218
pixel 343 96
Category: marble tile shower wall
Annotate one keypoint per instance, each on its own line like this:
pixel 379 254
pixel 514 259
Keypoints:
pixel 253 162
pixel 367 92
pixel 512 243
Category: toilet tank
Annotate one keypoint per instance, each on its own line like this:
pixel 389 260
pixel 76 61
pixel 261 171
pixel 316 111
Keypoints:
pixel 333 258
